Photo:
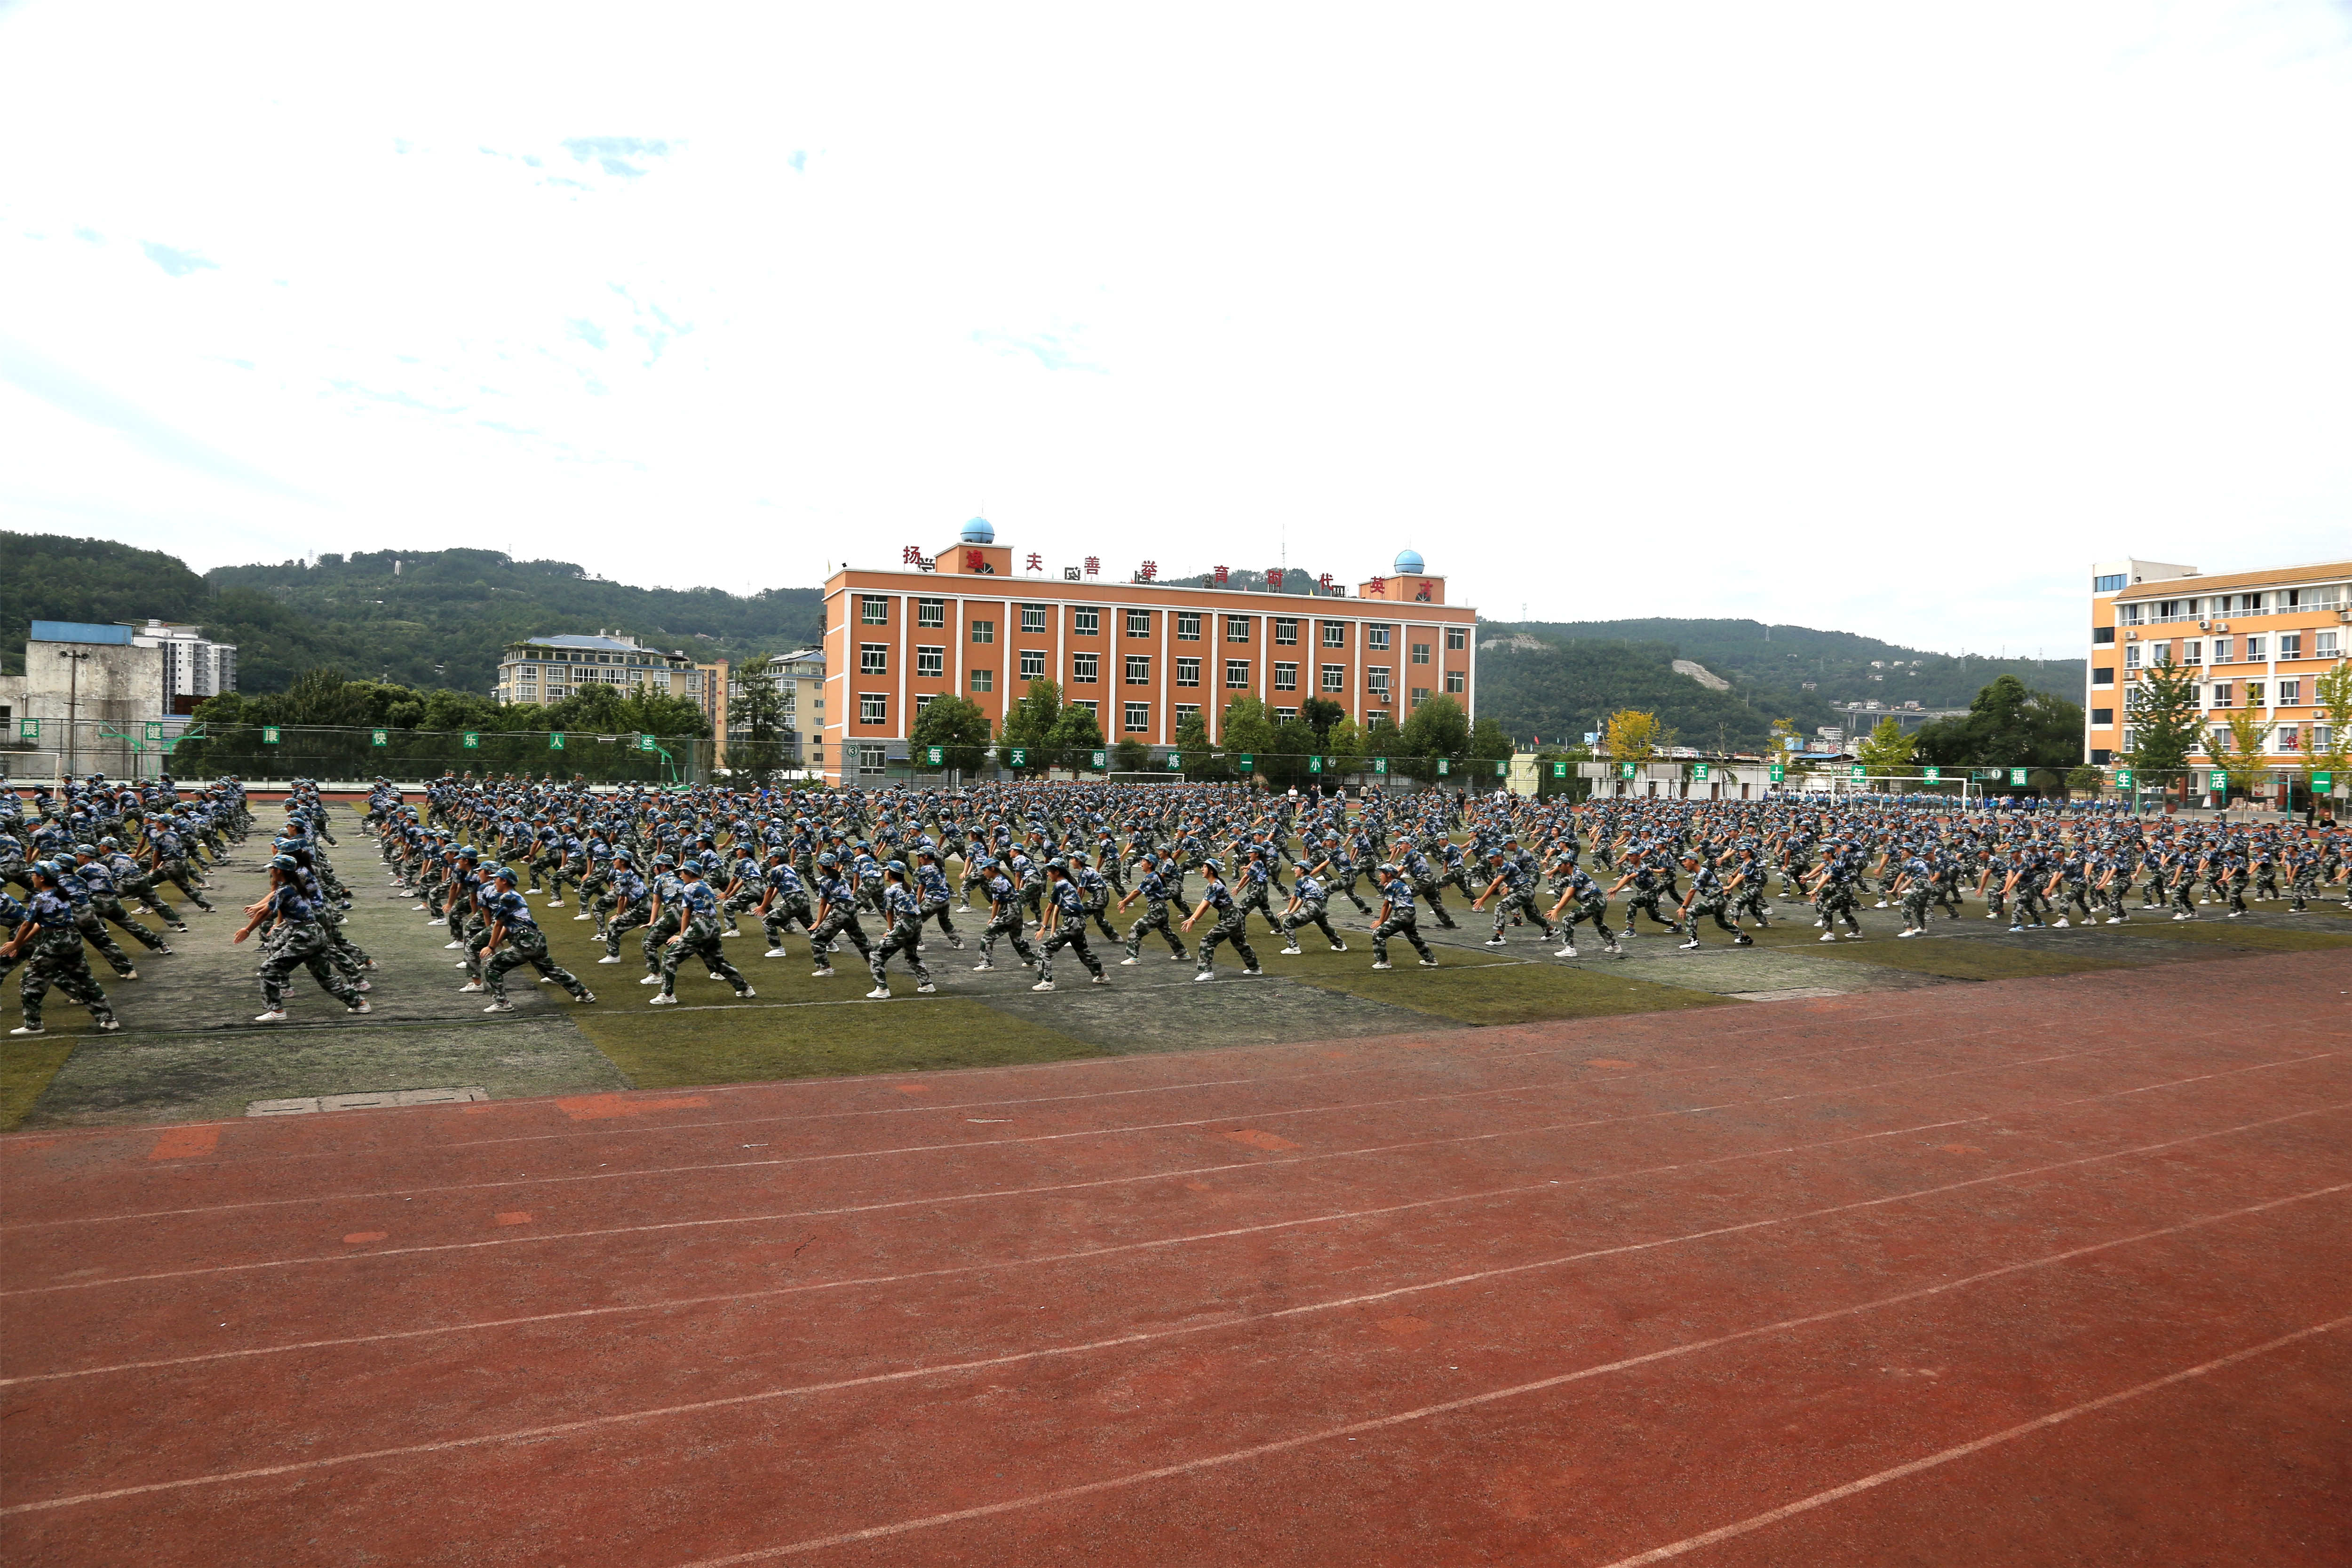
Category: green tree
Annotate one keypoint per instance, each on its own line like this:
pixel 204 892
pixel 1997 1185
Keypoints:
pixel 1130 756
pixel 1886 751
pixel 2166 724
pixel 1321 715
pixel 2238 747
pixel 1248 729
pixel 755 725
pixel 1438 728
pixel 1785 741
pixel 1201 761
pixel 1345 741
pixel 2008 725
pixel 1076 737
pixel 957 727
pixel 1631 735
pixel 1294 742
pixel 1030 726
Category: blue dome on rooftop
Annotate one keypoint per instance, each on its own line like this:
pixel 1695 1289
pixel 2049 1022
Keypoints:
pixel 1410 561
pixel 979 531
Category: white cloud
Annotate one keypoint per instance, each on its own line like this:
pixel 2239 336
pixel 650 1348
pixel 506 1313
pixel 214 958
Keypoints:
pixel 1857 316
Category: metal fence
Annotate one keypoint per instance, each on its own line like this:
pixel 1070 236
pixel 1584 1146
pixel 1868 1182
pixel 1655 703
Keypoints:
pixel 59 748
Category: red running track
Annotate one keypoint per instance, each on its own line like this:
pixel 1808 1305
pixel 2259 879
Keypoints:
pixel 1957 1278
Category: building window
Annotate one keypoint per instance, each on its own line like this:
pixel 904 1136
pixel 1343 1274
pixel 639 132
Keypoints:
pixel 1138 669
pixel 1285 677
pixel 2290 645
pixel 1335 677
pixel 2224 694
pixel 2323 737
pixel 1457 639
pixel 2103 634
pixel 2192 652
pixel 1135 718
pixel 2103 675
pixel 2107 585
pixel 1376 636
pixel 2248 604
pixel 874 610
pixel 1236 673
pixel 2290 693
pixel 2222 650
pixel 872 759
pixel 1375 721
pixel 1033 617
pixel 1455 681
pixel 1284 715
pixel 1086 668
pixel 873 659
pixel 1138 623
pixel 1089 704
pixel 1032 664
pixel 1188 672
pixel 983 631
pixel 930 612
pixel 1237 628
pixel 922 702
pixel 1420 695
pixel 2287 737
pixel 1421 653
pixel 931 661
pixel 1335 634
pixel 983 680
pixel 1286 629
pixel 1086 623
pixel 1186 711
pixel 1376 678
pixel 2323 645
pixel 2102 718
pixel 2257 649
pixel 873 707
pixel 2253 694
pixel 1187 626
pixel 2131 657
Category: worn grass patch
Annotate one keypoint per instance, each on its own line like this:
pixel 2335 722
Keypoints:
pixel 26 1068
pixel 665 1048
pixel 1981 959
pixel 2225 933
pixel 1509 993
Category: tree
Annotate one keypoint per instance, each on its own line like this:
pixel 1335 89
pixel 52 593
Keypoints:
pixel 1630 736
pixel 1192 745
pixel 1076 737
pixel 2085 777
pixel 1346 743
pixel 1249 730
pixel 957 727
pixel 2165 723
pixel 1321 715
pixel 1437 728
pixel 2332 694
pixel 2240 754
pixel 1029 727
pixel 1487 746
pixel 1130 756
pixel 1886 751
pixel 755 724
pixel 2009 725
pixel 1784 743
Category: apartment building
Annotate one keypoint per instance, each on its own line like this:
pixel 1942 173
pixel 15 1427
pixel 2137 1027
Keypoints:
pixel 1143 655
pixel 800 688
pixel 2258 640
pixel 195 666
pixel 548 670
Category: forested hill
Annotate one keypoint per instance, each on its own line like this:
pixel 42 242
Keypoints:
pixel 1555 679
pixel 440 620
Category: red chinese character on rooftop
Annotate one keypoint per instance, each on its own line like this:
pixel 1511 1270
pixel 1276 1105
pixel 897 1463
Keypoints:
pixel 1274 579
pixel 1379 585
pixel 1094 565
pixel 1149 572
pixel 1424 594
pixel 1221 575
pixel 973 561
pixel 911 556
pixel 1036 561
pixel 1324 581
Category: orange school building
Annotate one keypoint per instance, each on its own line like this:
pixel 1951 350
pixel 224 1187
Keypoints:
pixel 1143 655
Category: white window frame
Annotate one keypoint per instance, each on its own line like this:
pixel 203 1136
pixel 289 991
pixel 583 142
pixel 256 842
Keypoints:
pixel 1138 669
pixel 1285 677
pixel 930 612
pixel 1285 630
pixel 1187 626
pixel 1187 671
pixel 873 659
pixel 874 708
pixel 873 609
pixel 1138 623
pixel 983 631
pixel 931 663
pixel 1033 617
pixel 1086 669
pixel 1238 674
pixel 1086 621
pixel 1033 658
pixel 1134 719
pixel 983 680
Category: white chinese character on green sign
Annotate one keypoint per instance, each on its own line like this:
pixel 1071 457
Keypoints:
pixel 378 738
pixel 555 741
pixel 473 739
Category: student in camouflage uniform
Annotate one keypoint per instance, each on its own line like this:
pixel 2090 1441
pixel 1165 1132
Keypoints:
pixel 296 941
pixel 904 910
pixel 698 936
pixel 97 880
pixel 1153 891
pixel 1232 924
pixel 837 917
pixel 51 944
pixel 1511 879
pixel 1066 926
pixel 514 940
pixel 1581 899
pixel 1307 907
pixel 1397 918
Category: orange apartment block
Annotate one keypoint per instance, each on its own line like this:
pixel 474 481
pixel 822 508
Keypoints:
pixel 1142 654
pixel 2258 640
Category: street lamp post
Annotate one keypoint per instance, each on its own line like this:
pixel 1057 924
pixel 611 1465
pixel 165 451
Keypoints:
pixel 73 657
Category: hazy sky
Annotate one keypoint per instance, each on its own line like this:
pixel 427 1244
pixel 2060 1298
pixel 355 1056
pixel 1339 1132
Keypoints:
pixel 1887 317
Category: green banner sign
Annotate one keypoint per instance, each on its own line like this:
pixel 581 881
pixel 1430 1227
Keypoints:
pixel 1777 773
pixel 1175 761
pixel 1445 767
pixel 2122 778
pixel 471 740
pixel 555 741
pixel 646 743
pixel 378 737
pixel 1698 772
pixel 1933 775
pixel 1501 769
pixel 1019 757
pixel 1314 764
pixel 934 755
pixel 2218 780
pixel 1624 770
pixel 2322 782
pixel 1857 773
pixel 2017 775
pixel 269 735
pixel 1102 759
pixel 154 730
pixel 1380 764
pixel 29 728
pixel 1559 770
pixel 1248 762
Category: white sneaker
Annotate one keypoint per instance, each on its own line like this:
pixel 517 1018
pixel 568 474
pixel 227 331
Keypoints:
pixel 499 1008
pixel 1043 986
pixel 613 958
pixel 1130 960
pixel 472 988
pixel 1101 980
pixel 1206 975
pixel 1829 936
pixel 583 915
pixel 361 1007
pixel 745 994
pixel 553 904
pixel 1564 952
pixel 661 1001
pixel 775 953
pixel 2062 923
pixel 1904 934
pixel 42 1029
pixel 1690 944
pixel 447 946
pixel 1382 963
pixel 1880 905
pixel 925 989
pixel 882 992
pixel 1853 936
pixel 1282 951
pixel 275 1015
pixel 649 979
pixel 2114 920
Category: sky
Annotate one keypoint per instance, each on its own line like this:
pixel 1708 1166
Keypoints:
pixel 1887 318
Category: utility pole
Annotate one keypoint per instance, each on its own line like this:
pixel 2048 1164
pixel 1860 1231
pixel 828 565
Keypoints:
pixel 73 657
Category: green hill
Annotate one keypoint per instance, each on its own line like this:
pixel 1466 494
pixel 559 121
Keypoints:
pixel 440 620
pixel 1577 671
